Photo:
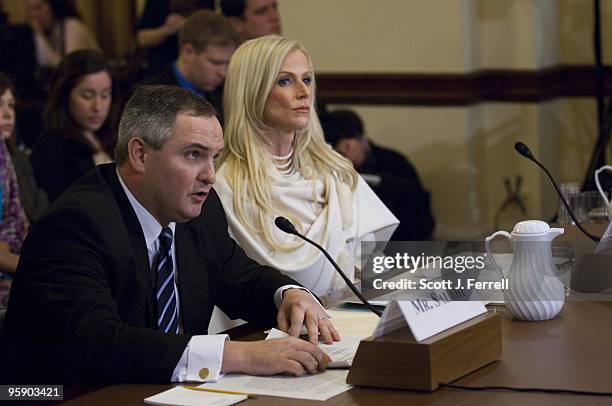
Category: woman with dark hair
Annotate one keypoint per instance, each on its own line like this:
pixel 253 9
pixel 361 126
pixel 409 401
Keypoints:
pixel 58 30
pixel 13 223
pixel 78 120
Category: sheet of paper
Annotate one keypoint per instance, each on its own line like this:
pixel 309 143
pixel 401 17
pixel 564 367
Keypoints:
pixel 320 386
pixel 178 396
pixel 341 352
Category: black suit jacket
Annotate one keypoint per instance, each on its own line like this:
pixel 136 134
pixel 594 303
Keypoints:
pixel 401 191
pixel 82 309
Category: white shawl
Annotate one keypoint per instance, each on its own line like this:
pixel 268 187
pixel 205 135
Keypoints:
pixel 339 227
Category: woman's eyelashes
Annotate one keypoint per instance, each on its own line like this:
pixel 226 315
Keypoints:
pixel 282 82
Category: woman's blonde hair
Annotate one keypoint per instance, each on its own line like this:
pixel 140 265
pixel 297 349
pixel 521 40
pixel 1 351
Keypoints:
pixel 251 74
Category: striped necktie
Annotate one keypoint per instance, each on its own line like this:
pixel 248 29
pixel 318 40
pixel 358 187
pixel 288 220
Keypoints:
pixel 167 320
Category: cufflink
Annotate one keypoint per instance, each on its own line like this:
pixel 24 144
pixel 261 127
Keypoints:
pixel 204 372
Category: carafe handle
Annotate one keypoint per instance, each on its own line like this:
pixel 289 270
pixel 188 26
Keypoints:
pixel 496 267
pixel 603 194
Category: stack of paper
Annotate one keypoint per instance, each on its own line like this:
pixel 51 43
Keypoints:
pixel 319 386
pixel 179 396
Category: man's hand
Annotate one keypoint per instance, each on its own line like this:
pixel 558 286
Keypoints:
pixel 288 355
pixel 300 308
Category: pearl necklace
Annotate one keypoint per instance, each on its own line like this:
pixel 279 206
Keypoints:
pixel 287 168
pixel 282 158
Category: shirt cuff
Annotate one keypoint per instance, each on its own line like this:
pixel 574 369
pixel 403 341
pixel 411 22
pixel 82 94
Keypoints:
pixel 278 296
pixel 201 360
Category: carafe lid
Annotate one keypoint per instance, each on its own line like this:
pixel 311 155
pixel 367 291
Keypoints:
pixel 531 227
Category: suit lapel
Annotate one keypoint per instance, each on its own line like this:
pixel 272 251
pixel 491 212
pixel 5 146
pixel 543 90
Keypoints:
pixel 142 269
pixel 192 280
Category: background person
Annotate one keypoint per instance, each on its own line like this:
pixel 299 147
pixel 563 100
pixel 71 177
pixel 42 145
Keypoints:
pixel 206 44
pixel 58 31
pixel 253 18
pixel 13 222
pixel 392 177
pixel 158 27
pixel 276 163
pixel 33 200
pixel 78 120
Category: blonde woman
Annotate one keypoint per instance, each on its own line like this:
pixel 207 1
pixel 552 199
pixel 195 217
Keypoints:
pixel 276 163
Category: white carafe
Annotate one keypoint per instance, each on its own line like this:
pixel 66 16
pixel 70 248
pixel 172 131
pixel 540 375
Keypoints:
pixel 535 291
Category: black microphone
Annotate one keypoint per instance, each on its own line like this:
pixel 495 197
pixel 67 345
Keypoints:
pixel 526 152
pixel 288 227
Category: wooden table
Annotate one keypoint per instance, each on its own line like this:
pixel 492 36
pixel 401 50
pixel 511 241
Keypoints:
pixel 572 351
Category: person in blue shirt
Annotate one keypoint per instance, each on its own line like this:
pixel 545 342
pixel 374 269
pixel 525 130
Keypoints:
pixel 207 41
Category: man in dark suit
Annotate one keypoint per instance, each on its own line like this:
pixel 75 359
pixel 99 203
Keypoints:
pixel 206 43
pixel 118 281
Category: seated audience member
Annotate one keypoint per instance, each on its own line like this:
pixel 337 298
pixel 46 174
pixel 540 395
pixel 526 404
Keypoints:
pixel 33 199
pixel 158 26
pixel 78 124
pixel 394 179
pixel 206 44
pixel 123 272
pixel 58 31
pixel 253 18
pixel 276 163
pixel 13 223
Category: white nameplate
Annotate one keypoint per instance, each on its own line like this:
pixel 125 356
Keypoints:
pixel 427 316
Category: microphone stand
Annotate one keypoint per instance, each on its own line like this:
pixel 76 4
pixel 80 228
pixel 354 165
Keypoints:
pixel 524 151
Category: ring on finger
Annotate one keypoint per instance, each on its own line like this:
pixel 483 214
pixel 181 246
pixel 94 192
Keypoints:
pixel 323 318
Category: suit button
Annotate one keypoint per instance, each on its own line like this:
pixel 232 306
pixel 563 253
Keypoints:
pixel 204 373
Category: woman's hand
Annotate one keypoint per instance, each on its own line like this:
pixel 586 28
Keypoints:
pixel 299 308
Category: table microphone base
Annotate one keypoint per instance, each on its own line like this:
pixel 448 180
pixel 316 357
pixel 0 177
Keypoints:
pixel 396 360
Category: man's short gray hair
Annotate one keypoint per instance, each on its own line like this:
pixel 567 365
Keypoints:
pixel 151 112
